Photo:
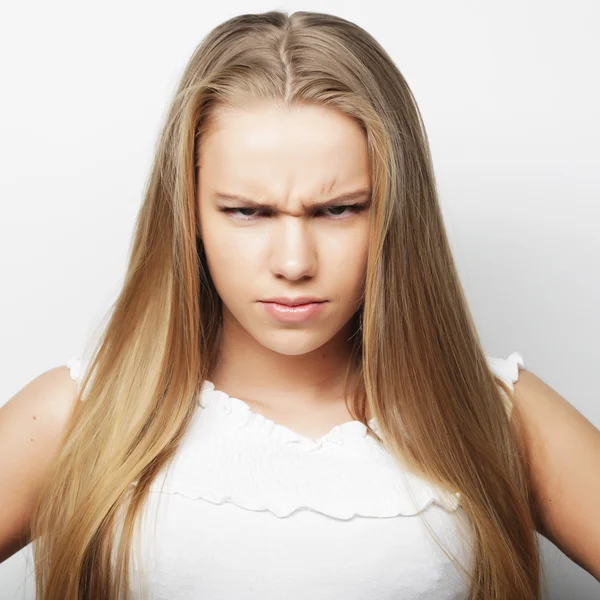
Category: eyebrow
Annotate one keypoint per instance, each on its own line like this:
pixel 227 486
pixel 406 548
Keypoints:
pixel 250 202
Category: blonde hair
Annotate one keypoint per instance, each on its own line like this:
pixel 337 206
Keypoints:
pixel 423 373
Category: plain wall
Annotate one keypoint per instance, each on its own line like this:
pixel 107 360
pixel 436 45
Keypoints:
pixel 509 94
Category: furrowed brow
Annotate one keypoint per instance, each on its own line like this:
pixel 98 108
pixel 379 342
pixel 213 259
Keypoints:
pixel 254 204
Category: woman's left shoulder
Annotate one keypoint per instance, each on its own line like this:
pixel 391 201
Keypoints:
pixel 563 453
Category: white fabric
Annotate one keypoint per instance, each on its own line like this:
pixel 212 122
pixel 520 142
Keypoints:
pixel 250 509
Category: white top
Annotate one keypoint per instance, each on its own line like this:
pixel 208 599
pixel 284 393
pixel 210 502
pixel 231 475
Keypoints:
pixel 253 510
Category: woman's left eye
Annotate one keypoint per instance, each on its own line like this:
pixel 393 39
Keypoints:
pixel 355 208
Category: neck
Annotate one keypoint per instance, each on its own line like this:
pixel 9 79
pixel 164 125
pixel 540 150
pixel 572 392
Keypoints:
pixel 250 371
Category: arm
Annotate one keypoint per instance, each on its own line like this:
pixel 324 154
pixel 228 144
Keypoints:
pixel 31 424
pixel 563 448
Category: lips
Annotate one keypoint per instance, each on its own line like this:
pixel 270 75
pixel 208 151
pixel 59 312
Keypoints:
pixel 293 313
pixel 295 301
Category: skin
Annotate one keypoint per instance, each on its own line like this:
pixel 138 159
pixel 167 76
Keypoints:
pixel 290 160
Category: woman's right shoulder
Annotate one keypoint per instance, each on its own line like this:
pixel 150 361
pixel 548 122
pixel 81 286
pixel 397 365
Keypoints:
pixel 44 404
pixel 32 423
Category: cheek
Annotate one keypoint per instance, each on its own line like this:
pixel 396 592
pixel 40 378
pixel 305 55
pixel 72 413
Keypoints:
pixel 230 263
pixel 348 257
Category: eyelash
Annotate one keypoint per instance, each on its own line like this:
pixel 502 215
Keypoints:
pixel 357 208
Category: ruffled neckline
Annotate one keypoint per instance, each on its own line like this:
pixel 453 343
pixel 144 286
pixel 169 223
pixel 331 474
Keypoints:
pixel 244 415
pixel 232 454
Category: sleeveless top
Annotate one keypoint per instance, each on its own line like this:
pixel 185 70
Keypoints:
pixel 250 509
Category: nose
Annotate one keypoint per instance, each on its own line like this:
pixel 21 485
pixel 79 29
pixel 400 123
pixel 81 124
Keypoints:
pixel 293 252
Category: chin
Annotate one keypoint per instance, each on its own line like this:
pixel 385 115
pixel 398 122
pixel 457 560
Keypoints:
pixel 293 343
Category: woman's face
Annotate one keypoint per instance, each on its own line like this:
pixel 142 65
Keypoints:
pixel 289 161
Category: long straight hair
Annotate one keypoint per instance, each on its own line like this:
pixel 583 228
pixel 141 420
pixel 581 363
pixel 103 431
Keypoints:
pixel 423 373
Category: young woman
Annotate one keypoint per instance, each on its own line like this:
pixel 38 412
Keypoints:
pixel 290 398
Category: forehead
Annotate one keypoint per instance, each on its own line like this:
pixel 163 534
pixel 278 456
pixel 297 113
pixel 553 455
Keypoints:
pixel 300 152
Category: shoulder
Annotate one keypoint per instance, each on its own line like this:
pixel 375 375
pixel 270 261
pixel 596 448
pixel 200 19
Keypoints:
pixel 50 396
pixel 563 453
pixel 32 424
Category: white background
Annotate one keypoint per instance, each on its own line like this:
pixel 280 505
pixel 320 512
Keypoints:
pixel 509 94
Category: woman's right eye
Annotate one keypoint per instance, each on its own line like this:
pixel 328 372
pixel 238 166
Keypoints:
pixel 243 217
